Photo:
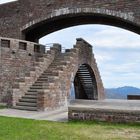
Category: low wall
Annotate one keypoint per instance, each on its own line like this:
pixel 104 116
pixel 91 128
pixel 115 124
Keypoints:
pixel 105 111
pixel 103 115
pixel 133 97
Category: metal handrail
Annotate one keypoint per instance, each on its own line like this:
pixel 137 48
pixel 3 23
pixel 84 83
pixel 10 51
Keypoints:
pixel 49 45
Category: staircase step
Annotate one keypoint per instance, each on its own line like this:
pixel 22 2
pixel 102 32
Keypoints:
pixel 28 100
pixel 27 104
pixel 26 108
pixel 36 87
pixel 32 90
pixel 29 97
pixel 50 74
pixel 42 79
pixel 57 68
pixel 38 84
pixel 31 93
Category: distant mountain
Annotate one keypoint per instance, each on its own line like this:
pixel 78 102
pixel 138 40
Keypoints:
pixel 121 92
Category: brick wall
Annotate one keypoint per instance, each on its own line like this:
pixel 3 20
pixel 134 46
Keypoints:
pixel 108 115
pixel 20 65
pixel 27 15
pixel 57 93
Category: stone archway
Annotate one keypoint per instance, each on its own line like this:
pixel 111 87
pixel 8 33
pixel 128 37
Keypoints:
pixel 25 19
pixel 65 18
pixel 85 83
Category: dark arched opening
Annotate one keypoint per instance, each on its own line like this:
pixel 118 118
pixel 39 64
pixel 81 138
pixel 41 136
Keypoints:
pixel 42 28
pixel 85 83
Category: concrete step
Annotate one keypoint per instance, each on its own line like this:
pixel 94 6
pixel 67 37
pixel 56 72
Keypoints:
pixel 58 63
pixel 28 100
pixel 36 87
pixel 43 76
pixel 47 74
pixel 85 76
pixel 31 93
pixel 83 73
pixel 57 68
pixel 29 97
pixel 39 82
pixel 86 79
pixel 87 83
pixel 27 104
pixel 42 79
pixel 26 108
pixel 32 90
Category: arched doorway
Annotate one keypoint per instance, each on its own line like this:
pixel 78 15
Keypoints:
pixel 85 83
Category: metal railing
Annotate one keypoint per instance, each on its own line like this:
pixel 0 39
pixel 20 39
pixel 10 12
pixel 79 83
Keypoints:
pixel 48 46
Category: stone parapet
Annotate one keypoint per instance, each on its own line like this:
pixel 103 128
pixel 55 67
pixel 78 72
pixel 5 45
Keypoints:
pixel 104 115
pixel 110 111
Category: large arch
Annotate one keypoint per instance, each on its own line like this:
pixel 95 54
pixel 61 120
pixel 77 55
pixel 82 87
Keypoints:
pixel 34 30
pixel 30 20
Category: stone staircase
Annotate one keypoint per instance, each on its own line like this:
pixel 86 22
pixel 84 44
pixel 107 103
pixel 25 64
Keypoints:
pixel 51 88
pixel 29 100
pixel 86 81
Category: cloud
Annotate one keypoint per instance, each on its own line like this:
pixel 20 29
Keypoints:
pixel 115 37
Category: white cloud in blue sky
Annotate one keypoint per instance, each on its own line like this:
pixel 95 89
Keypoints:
pixel 117 51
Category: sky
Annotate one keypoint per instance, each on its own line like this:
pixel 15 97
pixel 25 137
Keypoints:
pixel 117 51
pixel 5 1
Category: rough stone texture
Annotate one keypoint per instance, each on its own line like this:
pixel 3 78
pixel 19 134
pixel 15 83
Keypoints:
pixel 27 19
pixel 20 65
pixel 25 63
pixel 104 115
pixel 58 91
pixel 106 110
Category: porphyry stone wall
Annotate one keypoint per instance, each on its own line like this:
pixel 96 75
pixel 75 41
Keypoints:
pixel 23 63
pixel 16 59
pixel 108 115
pixel 20 66
pixel 57 93
pixel 104 110
pixel 40 17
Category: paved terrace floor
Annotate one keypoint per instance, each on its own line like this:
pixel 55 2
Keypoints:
pixel 62 114
pixel 122 105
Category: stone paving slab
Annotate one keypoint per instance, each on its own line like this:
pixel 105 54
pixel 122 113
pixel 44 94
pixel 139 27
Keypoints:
pixel 56 115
